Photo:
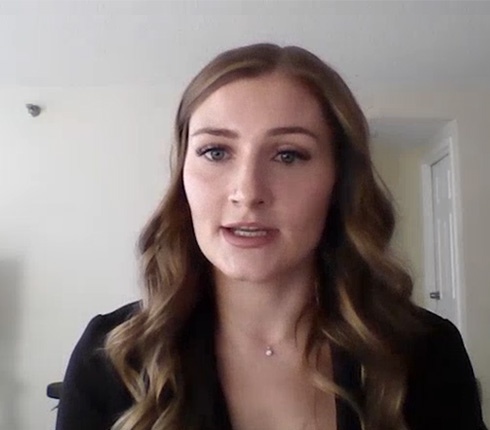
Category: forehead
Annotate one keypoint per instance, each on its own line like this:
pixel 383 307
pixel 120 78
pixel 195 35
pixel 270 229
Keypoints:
pixel 262 102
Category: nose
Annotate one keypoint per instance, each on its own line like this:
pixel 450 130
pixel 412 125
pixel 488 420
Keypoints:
pixel 249 187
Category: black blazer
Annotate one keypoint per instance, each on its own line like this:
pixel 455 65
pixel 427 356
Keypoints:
pixel 442 392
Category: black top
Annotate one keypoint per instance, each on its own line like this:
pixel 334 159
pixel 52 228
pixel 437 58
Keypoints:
pixel 442 392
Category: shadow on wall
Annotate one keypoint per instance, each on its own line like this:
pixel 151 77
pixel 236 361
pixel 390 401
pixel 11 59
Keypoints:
pixel 10 284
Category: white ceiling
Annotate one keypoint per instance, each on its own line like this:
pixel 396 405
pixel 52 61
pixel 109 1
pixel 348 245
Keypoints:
pixel 373 44
pixel 139 42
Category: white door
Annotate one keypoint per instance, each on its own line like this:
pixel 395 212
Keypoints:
pixel 444 295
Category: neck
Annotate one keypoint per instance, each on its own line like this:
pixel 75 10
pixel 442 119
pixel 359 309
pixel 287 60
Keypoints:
pixel 266 313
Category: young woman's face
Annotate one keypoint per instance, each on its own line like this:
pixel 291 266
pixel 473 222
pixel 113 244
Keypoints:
pixel 258 176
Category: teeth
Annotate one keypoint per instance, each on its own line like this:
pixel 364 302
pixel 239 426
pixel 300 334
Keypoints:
pixel 249 232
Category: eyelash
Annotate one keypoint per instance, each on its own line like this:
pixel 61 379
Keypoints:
pixel 301 156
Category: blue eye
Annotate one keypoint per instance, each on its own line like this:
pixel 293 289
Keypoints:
pixel 213 153
pixel 289 157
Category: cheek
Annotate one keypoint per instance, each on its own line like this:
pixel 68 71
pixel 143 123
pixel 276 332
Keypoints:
pixel 308 206
pixel 201 193
pixel 193 188
pixel 315 209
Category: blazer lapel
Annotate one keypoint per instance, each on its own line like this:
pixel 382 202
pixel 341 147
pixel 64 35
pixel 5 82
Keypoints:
pixel 347 374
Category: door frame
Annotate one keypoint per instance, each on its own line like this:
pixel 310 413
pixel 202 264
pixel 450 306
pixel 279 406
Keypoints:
pixel 443 146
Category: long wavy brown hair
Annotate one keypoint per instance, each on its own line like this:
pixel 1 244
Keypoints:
pixel 363 294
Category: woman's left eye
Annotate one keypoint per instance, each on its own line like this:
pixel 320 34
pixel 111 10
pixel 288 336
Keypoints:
pixel 290 156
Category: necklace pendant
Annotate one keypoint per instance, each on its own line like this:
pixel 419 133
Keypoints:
pixel 269 351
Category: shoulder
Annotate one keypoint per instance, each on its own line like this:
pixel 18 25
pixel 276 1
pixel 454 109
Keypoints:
pixel 442 390
pixel 440 344
pixel 437 328
pixel 433 320
pixel 101 325
pixel 89 351
pixel 439 349
pixel 104 323
pixel 89 347
pixel 93 394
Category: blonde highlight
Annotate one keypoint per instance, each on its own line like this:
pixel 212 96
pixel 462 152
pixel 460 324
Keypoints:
pixel 363 304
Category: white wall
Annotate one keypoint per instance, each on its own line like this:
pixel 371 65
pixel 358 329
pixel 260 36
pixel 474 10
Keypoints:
pixel 399 167
pixel 470 109
pixel 78 183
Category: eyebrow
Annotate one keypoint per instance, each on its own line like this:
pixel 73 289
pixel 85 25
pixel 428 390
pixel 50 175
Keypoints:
pixel 277 131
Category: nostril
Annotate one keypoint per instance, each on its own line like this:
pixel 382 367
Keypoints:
pixel 247 198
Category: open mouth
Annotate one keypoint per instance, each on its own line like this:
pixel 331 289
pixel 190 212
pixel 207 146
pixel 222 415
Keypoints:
pixel 248 232
pixel 249 236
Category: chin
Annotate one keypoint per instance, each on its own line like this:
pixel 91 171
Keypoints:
pixel 249 274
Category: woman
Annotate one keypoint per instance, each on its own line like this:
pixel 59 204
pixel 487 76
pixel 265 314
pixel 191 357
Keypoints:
pixel 272 300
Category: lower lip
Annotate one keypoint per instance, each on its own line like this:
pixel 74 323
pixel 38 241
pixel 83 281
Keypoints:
pixel 248 242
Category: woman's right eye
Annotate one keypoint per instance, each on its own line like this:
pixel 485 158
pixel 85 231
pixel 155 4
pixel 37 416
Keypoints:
pixel 213 154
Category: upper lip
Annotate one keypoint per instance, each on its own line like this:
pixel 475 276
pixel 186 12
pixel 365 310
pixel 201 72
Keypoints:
pixel 256 225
